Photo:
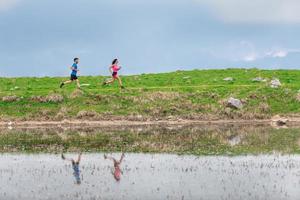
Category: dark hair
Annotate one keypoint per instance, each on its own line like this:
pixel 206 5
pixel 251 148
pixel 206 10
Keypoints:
pixel 114 61
pixel 75 59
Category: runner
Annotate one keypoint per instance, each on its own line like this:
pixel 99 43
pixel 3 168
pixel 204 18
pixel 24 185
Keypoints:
pixel 75 166
pixel 114 68
pixel 73 77
pixel 117 170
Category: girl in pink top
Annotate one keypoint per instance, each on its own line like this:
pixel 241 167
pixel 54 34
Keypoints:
pixel 114 68
pixel 117 170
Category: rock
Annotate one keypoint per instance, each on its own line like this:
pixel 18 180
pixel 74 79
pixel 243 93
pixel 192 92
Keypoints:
pixel 228 79
pixel 275 83
pixel 10 98
pixel 259 79
pixel 279 121
pixel 234 103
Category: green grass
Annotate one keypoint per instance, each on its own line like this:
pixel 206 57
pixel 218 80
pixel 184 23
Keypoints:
pixel 186 94
pixel 196 140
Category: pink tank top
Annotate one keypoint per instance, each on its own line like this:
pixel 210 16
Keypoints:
pixel 115 68
pixel 117 173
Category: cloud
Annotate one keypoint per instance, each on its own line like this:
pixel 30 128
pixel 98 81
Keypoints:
pixel 254 11
pixel 8 4
pixel 277 53
pixel 236 51
pixel 273 53
pixel 250 57
pixel 246 51
pixel 281 53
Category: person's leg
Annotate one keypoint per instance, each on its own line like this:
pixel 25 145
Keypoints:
pixel 110 81
pixel 69 81
pixel 78 83
pixel 66 82
pixel 120 82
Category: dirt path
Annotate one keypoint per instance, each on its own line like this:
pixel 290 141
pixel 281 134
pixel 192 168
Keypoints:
pixel 171 87
pixel 115 123
pixel 156 87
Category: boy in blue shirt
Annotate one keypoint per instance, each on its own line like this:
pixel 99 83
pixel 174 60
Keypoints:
pixel 74 77
pixel 75 166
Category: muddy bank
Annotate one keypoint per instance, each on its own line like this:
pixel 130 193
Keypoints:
pixel 196 139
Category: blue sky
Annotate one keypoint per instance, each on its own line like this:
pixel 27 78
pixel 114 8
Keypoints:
pixel 41 37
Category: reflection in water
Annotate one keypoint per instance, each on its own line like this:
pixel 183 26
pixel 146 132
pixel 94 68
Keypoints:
pixel 44 177
pixel 196 139
pixel 116 172
pixel 75 166
pixel 159 176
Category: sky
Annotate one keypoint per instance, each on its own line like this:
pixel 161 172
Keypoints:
pixel 41 37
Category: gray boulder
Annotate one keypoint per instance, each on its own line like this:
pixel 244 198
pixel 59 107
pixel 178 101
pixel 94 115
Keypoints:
pixel 275 83
pixel 234 103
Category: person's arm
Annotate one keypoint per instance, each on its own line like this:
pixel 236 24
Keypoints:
pixel 119 68
pixel 79 158
pixel 64 158
pixel 122 157
pixel 73 68
pixel 110 69
pixel 112 171
pixel 110 158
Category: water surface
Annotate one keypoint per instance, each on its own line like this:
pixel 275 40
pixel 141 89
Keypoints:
pixel 146 176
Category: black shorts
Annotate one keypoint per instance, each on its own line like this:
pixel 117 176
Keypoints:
pixel 73 77
pixel 114 74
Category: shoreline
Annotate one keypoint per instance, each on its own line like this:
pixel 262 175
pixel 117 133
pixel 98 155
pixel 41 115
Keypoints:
pixel 116 123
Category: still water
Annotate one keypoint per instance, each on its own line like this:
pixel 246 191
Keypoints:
pixel 150 176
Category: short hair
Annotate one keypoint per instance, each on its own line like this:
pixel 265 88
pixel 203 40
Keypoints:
pixel 75 59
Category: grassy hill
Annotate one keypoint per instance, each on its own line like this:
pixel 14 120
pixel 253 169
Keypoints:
pixel 198 94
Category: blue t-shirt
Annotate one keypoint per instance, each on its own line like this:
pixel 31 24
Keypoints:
pixel 76 172
pixel 74 72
